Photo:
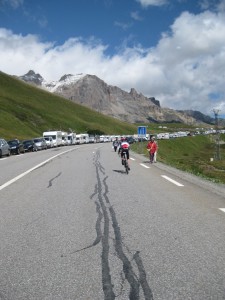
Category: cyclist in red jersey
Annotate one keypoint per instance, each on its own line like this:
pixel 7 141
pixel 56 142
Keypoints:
pixel 124 148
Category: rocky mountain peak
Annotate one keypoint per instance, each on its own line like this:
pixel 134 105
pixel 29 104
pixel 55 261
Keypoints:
pixel 134 93
pixel 33 78
pixel 132 107
pixel 65 77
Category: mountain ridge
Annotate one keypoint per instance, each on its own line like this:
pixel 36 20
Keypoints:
pixel 133 107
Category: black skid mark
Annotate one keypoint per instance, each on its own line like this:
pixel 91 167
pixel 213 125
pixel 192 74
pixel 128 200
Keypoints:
pixel 50 181
pixel 97 227
pixel 127 266
pixel 136 281
pixel 142 275
pixel 130 275
pixel 106 277
pixel 97 163
pixel 98 231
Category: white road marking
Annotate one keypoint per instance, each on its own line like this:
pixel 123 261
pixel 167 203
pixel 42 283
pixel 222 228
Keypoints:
pixel 222 209
pixel 145 166
pixel 30 170
pixel 171 180
pixel 132 158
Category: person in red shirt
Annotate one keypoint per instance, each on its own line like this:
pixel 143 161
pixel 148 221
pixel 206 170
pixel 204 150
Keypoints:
pixel 152 148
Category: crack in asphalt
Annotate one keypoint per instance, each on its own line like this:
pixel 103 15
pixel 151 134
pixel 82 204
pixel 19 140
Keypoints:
pixel 136 281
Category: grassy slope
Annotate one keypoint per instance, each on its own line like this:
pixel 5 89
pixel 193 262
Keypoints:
pixel 26 112
pixel 191 154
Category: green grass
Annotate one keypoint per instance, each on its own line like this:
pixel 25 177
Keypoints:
pixel 191 154
pixel 26 112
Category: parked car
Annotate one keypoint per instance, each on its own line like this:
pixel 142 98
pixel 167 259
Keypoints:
pixel 16 147
pixel 29 146
pixel 49 141
pixel 4 148
pixel 40 143
pixel 131 140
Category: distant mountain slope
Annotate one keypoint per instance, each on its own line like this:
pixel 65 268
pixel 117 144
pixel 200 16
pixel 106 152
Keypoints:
pixel 27 111
pixel 133 107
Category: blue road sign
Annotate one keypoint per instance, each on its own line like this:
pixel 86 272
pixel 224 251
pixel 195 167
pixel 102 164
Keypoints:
pixel 142 131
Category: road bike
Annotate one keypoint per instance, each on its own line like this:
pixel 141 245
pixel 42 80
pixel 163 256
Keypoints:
pixel 125 162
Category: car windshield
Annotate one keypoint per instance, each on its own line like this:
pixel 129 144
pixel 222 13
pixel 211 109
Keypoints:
pixel 12 143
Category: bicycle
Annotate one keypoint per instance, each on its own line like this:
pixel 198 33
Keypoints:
pixel 125 163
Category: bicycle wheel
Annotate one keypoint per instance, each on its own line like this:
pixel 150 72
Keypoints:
pixel 126 166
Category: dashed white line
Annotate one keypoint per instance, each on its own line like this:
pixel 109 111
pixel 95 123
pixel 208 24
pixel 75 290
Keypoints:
pixel 132 158
pixel 171 180
pixel 222 209
pixel 145 166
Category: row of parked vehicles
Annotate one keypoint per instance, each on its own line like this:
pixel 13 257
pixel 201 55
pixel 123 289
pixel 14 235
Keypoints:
pixel 16 147
pixel 50 139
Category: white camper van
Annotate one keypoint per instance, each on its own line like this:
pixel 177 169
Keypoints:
pixel 79 139
pixel 71 138
pixel 64 138
pixel 86 138
pixel 56 137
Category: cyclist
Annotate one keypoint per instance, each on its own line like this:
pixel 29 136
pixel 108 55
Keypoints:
pixel 115 144
pixel 124 148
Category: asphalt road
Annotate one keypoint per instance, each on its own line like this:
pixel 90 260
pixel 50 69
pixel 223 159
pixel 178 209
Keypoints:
pixel 74 225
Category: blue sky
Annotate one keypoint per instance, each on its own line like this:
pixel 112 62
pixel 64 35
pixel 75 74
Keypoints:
pixel 173 50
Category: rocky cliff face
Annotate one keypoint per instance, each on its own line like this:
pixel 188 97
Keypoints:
pixel 133 107
pixel 33 78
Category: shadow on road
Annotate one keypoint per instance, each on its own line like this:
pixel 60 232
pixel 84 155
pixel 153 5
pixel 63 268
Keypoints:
pixel 120 171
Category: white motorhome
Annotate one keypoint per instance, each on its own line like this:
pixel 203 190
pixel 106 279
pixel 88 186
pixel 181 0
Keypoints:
pixel 56 137
pixel 64 138
pixel 86 138
pixel 71 138
pixel 163 136
pixel 79 139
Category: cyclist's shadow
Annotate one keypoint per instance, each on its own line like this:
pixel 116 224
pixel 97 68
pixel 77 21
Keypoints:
pixel 120 171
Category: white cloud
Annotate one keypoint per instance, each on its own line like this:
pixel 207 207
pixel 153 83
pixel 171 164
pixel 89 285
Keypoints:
pixel 136 16
pixel 122 25
pixel 184 71
pixel 13 3
pixel 146 3
pixel 217 5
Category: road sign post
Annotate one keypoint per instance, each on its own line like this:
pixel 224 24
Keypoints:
pixel 141 131
pixel 141 135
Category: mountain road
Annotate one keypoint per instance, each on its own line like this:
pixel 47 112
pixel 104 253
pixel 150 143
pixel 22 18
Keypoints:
pixel 74 225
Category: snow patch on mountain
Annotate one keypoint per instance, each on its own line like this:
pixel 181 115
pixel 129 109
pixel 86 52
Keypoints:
pixel 67 79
